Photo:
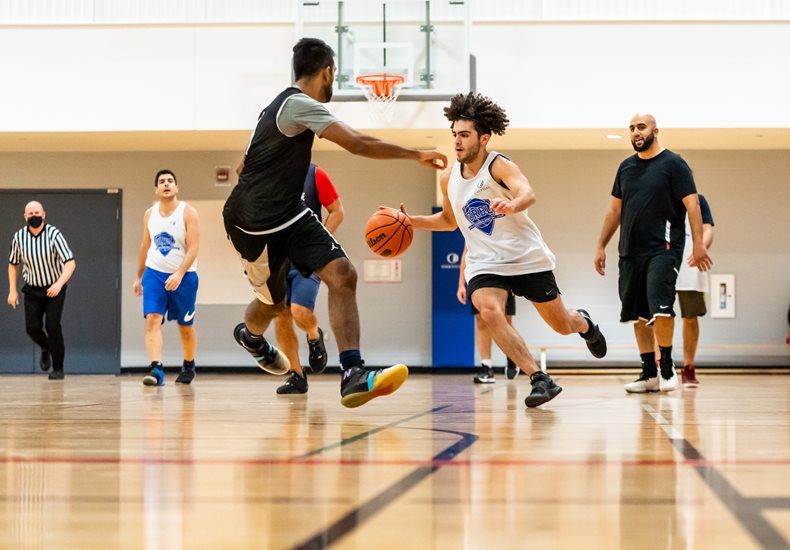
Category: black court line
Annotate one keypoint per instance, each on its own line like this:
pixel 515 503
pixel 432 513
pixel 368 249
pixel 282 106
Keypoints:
pixel 748 511
pixel 367 510
pixel 363 435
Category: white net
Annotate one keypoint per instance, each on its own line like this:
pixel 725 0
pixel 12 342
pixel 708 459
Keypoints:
pixel 381 91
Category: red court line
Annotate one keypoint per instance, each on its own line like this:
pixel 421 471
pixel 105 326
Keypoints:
pixel 372 462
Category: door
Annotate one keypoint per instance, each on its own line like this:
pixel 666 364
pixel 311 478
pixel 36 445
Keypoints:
pixel 90 220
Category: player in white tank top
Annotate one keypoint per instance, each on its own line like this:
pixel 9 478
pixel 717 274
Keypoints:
pixel 487 196
pixel 166 276
pixel 168 239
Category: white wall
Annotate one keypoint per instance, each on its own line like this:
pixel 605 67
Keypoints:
pixel 549 75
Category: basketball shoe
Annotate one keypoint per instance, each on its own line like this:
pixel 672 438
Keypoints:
pixel 688 377
pixel 294 384
pixel 360 386
pixel 269 358
pixel 668 380
pixel 647 382
pixel 318 357
pixel 595 341
pixel 511 370
pixel 485 375
pixel 186 375
pixel 543 389
pixel 56 374
pixel 156 376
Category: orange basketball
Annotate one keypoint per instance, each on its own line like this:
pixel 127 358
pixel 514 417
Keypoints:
pixel 389 232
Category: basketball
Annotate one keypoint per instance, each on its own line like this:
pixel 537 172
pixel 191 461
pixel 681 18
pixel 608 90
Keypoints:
pixel 389 232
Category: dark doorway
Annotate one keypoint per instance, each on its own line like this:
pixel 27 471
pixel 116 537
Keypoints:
pixel 91 222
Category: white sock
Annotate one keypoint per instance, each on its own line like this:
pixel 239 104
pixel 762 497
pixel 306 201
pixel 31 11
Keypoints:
pixel 485 362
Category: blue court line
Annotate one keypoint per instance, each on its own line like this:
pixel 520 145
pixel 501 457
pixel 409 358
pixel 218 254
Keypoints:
pixel 748 511
pixel 363 435
pixel 367 510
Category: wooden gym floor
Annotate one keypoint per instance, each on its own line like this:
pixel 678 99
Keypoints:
pixel 104 462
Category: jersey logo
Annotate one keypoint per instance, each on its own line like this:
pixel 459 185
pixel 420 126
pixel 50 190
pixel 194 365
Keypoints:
pixel 164 243
pixel 478 212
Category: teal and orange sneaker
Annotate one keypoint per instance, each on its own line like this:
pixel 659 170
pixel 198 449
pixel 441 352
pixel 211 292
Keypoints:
pixel 360 385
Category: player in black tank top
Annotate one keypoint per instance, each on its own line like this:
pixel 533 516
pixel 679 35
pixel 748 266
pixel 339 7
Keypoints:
pixel 270 227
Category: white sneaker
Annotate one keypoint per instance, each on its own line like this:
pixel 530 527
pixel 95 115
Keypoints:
pixel 643 384
pixel 669 384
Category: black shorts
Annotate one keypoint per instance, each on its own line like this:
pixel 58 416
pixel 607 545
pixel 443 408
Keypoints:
pixel 647 286
pixel 510 306
pixel 267 257
pixel 692 304
pixel 535 287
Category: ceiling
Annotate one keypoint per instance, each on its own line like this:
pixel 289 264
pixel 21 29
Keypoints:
pixel 515 139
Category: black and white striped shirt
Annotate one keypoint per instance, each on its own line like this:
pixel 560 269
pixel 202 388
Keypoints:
pixel 42 256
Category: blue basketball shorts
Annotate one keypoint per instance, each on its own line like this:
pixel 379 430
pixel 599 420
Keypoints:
pixel 178 305
pixel 302 290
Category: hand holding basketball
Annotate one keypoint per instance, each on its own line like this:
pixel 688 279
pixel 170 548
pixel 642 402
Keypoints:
pixel 389 232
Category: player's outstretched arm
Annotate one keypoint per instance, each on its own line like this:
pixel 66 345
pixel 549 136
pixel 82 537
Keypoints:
pixel 441 221
pixel 372 147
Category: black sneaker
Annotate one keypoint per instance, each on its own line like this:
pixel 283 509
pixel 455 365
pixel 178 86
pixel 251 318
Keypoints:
pixel 46 360
pixel 294 384
pixel 318 355
pixel 543 389
pixel 485 375
pixel 186 375
pixel 595 341
pixel 56 374
pixel 271 360
pixel 511 370
pixel 360 386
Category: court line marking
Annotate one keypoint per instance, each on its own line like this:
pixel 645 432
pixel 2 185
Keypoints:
pixel 363 435
pixel 747 511
pixel 373 506
pixel 299 461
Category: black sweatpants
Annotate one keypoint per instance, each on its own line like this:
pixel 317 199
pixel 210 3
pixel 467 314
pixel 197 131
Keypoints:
pixel 42 321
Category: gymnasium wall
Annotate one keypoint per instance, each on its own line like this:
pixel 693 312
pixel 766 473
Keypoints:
pixel 748 193
pixel 548 74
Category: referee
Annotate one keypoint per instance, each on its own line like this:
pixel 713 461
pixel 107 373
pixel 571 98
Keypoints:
pixel 47 264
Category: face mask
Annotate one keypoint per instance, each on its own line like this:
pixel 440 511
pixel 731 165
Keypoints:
pixel 35 221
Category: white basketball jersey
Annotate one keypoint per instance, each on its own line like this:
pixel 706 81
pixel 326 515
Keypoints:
pixel 168 240
pixel 690 278
pixel 497 244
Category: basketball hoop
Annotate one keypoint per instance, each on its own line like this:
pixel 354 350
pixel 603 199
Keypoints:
pixel 382 91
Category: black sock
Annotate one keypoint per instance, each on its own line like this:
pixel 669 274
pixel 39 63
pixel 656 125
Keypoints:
pixel 189 364
pixel 253 341
pixel 350 358
pixel 649 364
pixel 157 365
pixel 666 361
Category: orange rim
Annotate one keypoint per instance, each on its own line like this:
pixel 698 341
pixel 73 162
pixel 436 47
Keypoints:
pixel 382 85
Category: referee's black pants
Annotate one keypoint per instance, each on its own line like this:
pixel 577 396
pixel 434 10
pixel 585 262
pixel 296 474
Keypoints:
pixel 42 321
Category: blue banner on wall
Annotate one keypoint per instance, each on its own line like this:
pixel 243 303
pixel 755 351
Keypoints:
pixel 453 324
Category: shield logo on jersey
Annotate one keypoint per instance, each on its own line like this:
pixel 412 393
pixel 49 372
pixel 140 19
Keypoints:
pixel 478 212
pixel 164 243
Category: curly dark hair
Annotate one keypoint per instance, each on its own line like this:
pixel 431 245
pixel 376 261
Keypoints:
pixel 487 115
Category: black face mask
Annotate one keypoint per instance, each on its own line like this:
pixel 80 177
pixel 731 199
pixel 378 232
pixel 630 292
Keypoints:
pixel 35 221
